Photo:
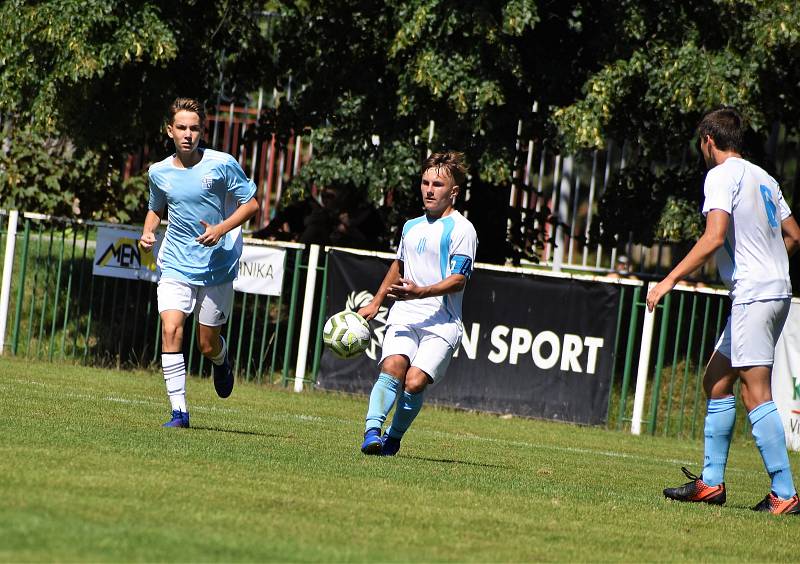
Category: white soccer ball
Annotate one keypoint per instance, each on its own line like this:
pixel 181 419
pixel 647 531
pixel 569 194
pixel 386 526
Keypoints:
pixel 346 334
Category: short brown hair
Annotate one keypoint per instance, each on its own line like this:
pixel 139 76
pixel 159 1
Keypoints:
pixel 186 105
pixel 451 161
pixel 725 126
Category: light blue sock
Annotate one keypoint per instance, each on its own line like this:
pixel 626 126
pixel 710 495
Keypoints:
pixel 407 409
pixel 771 441
pixel 720 417
pixel 381 400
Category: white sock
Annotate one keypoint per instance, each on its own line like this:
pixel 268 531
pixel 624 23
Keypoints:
pixel 220 358
pixel 175 379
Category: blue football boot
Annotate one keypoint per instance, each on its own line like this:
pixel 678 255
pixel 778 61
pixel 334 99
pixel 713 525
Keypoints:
pixel 372 441
pixel 223 378
pixel 390 445
pixel 179 419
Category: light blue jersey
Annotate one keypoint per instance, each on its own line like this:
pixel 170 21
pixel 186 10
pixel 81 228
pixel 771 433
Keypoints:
pixel 209 191
pixel 430 252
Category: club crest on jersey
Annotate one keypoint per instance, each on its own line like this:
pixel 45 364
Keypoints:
pixel 207 182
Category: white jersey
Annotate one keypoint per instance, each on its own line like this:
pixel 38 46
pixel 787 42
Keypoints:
pixel 753 261
pixel 430 252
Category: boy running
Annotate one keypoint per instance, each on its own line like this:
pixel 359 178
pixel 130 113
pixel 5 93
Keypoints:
pixel 208 197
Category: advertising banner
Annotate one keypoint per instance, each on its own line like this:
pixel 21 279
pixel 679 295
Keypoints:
pixel 260 270
pixel 786 377
pixel 118 255
pixel 532 346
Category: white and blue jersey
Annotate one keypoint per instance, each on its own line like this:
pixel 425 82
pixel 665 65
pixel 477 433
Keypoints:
pixel 209 191
pixel 430 252
pixel 753 261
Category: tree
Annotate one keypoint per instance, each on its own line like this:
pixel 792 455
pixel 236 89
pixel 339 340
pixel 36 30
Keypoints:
pixel 368 78
pixel 635 70
pixel 375 75
pixel 88 81
pixel 685 58
pixel 682 60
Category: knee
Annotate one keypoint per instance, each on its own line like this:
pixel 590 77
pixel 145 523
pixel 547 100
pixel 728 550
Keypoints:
pixel 208 343
pixel 396 366
pixel 172 334
pixel 416 383
pixel 753 398
pixel 205 346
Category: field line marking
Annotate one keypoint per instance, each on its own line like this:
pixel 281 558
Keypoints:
pixel 306 418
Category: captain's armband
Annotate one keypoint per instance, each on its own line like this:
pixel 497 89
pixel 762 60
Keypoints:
pixel 461 264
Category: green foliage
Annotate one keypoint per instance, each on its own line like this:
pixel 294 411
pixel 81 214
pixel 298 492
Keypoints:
pixel 50 47
pixel 369 77
pixel 679 221
pixel 90 81
pixel 53 176
pixel 388 69
pixel 684 59
pixel 666 203
pixel 634 70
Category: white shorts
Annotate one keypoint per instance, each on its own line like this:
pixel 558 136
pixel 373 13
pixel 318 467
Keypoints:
pixel 213 302
pixel 752 331
pixel 426 351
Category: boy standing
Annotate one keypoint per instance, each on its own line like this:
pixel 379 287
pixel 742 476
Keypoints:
pixel 752 232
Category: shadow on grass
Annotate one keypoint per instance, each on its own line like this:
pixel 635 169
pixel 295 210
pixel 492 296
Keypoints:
pixel 240 432
pixel 453 461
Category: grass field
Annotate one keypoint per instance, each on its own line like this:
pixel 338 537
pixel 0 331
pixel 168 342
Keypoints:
pixel 270 475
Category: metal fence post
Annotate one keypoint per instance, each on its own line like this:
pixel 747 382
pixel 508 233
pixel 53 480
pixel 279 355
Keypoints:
pixel 21 288
pixel 634 318
pixel 641 375
pixel 8 264
pixel 305 323
pixel 298 264
pixel 662 343
pixel 562 213
pixel 320 319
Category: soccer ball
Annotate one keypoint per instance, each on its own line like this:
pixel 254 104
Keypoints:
pixel 346 334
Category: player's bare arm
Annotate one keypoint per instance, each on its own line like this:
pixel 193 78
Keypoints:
pixel 214 233
pixel 405 289
pixel 392 277
pixel 711 240
pixel 151 222
pixel 791 235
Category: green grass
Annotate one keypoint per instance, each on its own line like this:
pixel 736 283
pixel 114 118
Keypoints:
pixel 270 475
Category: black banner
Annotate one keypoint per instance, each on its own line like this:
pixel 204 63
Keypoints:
pixel 536 346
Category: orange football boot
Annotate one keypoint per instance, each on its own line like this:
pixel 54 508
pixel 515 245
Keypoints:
pixel 697 491
pixel 777 506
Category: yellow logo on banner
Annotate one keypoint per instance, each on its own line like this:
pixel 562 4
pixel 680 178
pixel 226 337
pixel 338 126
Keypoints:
pixel 125 253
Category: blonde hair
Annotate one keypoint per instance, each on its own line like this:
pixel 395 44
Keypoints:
pixel 186 105
pixel 451 161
